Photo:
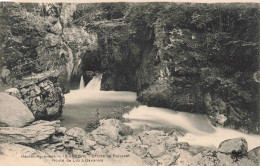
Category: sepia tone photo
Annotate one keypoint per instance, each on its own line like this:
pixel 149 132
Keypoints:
pixel 129 84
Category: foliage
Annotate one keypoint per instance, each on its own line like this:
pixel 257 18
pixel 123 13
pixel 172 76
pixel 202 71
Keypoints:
pixel 18 37
pixel 191 49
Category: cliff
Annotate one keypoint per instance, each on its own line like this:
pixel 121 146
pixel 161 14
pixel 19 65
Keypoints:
pixel 200 58
pixel 41 37
pixel 187 57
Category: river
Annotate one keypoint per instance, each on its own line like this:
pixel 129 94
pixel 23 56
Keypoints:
pixel 85 104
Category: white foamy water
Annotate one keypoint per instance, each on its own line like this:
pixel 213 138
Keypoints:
pixel 82 105
pixel 95 83
pixel 85 96
pixel 82 83
pixel 199 129
pixel 92 93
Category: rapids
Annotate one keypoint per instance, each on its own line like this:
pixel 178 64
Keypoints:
pixel 82 105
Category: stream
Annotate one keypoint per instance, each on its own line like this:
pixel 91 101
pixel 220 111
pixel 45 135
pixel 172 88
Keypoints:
pixel 84 104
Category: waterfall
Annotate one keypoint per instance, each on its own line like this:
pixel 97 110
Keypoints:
pixel 95 83
pixel 81 84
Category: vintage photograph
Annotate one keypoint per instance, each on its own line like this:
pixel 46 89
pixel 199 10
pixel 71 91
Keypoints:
pixel 129 84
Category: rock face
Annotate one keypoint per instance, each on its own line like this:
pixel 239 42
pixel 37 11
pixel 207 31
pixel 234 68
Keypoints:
pixel 53 39
pixel 153 147
pixel 13 112
pixel 44 99
pixel 167 68
pixel 237 145
pixel 65 40
pixel 38 132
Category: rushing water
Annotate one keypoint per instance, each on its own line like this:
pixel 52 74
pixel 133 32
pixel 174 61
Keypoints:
pixel 200 132
pixel 82 83
pixel 82 105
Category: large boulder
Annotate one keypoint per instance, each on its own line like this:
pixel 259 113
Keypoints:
pixel 236 145
pixel 13 112
pixel 254 155
pixel 110 131
pixel 44 99
pixel 38 132
pixel 230 152
pixel 77 133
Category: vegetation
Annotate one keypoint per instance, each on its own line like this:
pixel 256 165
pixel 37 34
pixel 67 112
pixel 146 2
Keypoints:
pixel 199 58
pixel 181 56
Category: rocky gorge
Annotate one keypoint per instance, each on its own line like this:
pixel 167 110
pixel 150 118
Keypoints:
pixel 41 142
pixel 113 142
pixel 194 58
pixel 184 63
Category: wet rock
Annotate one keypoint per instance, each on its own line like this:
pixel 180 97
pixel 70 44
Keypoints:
pixel 177 132
pixel 45 100
pixel 238 145
pixel 13 112
pixel 221 119
pixel 37 133
pixel 125 130
pixel 254 155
